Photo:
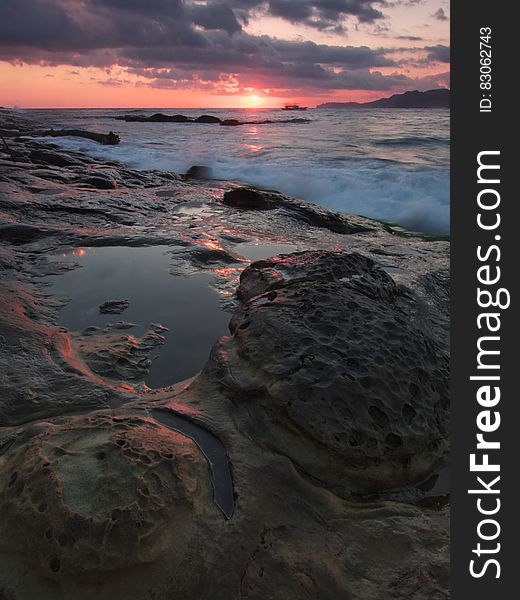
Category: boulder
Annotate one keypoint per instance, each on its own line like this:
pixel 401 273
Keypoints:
pixel 336 370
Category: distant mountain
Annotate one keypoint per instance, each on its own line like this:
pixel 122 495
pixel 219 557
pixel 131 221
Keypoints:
pixel 431 99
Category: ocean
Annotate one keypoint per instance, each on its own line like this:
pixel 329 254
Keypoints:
pixel 387 164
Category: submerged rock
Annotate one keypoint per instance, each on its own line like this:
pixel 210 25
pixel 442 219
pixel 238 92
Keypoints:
pixel 114 307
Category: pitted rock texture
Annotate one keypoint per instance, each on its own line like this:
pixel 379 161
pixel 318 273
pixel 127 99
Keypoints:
pixel 337 372
pixel 101 493
pixel 72 414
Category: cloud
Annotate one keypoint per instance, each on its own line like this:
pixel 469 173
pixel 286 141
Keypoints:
pixel 178 44
pixel 320 14
pixel 214 16
pixel 440 15
pixel 437 53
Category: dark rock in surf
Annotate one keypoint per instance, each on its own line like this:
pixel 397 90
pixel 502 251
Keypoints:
pixel 155 118
pixel 207 119
pixel 107 139
pixel 199 172
pixel 230 123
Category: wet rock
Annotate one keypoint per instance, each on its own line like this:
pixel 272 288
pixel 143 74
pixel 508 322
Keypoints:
pixel 41 375
pixel 107 139
pixel 100 183
pixel 337 371
pixel 248 198
pixel 119 357
pixel 207 119
pixel 17 233
pixel 205 256
pixel 335 222
pixel 114 307
pixel 199 172
pixel 230 123
pixel 47 157
pixel 100 493
pixel 303 212
pixel 331 387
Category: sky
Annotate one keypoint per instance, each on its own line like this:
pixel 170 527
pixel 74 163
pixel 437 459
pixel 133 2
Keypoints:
pixel 218 53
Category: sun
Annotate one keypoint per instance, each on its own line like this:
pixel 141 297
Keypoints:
pixel 254 99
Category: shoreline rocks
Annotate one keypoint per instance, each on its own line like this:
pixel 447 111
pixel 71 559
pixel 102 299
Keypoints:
pixel 329 397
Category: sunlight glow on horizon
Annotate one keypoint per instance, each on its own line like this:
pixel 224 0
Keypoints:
pixel 39 86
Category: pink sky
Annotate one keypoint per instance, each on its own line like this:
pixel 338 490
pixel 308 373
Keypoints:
pixel 260 58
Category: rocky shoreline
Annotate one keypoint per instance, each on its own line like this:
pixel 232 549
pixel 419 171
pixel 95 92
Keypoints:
pixel 304 461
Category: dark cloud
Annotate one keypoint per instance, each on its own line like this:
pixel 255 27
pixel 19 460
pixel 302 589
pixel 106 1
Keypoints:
pixel 215 16
pixel 323 14
pixel 171 8
pixel 178 44
pixel 438 53
pixel 440 15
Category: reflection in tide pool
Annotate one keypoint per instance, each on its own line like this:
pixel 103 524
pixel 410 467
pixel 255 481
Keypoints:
pixel 186 305
pixel 257 251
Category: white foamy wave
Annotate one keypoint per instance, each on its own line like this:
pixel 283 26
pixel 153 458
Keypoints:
pixel 414 197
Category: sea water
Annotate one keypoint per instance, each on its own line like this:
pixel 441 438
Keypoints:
pixel 388 164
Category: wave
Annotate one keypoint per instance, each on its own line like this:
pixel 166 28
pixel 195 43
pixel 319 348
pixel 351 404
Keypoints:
pixel 416 198
pixel 412 141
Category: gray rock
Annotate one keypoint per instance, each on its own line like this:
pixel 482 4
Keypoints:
pixel 336 371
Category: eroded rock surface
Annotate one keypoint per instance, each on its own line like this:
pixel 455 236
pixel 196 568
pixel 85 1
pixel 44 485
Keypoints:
pixel 335 363
pixel 99 493
pixel 329 397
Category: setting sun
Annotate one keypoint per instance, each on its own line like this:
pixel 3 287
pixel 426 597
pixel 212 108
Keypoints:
pixel 254 99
